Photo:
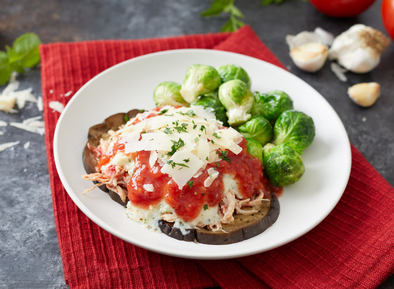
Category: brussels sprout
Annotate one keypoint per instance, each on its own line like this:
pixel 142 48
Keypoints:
pixel 230 71
pixel 199 80
pixel 282 164
pixel 296 128
pixel 217 106
pixel 237 99
pixel 168 93
pixel 254 148
pixel 271 104
pixel 213 94
pixel 258 128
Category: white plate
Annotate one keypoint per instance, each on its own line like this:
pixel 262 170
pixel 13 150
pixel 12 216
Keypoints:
pixel 130 85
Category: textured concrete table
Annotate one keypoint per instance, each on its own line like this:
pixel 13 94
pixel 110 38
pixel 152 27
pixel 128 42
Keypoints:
pixel 29 252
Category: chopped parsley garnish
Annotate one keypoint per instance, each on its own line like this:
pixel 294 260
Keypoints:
pixel 189 113
pixel 176 146
pixel 194 125
pixel 186 160
pixel 163 111
pixel 207 158
pixel 203 128
pixel 223 155
pixel 205 207
pixel 167 130
pixel 126 118
pixel 212 141
pixel 196 139
pixel 173 164
pixel 216 135
pixel 169 114
pixel 180 128
pixel 217 164
pixel 190 183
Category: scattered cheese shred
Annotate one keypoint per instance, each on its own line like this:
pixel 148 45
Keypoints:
pixel 56 106
pixel 26 145
pixel 3 123
pixel 68 93
pixel 40 105
pixel 31 125
pixel 148 187
pixel 10 96
pixel 7 145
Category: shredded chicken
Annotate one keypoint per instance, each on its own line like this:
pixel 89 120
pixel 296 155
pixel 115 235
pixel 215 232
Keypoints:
pixel 169 217
pixel 227 207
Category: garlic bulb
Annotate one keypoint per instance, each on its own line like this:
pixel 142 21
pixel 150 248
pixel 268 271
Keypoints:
pixel 359 48
pixel 309 50
pixel 364 94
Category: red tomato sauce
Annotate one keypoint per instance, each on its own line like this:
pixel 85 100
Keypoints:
pixel 105 159
pixel 193 197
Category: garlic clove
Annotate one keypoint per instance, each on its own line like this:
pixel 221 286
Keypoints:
pixel 364 94
pixel 309 50
pixel 359 48
pixel 309 57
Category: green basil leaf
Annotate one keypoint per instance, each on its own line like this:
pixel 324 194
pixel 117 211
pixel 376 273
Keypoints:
pixel 228 26
pixel 266 2
pixel 216 8
pixel 5 68
pixel 25 50
pixel 236 12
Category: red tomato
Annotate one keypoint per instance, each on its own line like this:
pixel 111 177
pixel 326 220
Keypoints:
pixel 342 8
pixel 388 16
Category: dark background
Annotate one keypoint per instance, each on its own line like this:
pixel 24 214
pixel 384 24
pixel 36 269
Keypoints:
pixel 29 251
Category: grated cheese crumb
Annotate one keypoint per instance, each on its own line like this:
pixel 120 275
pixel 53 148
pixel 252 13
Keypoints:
pixel 7 145
pixel 26 145
pixel 31 125
pixel 40 105
pixel 56 106
pixel 68 93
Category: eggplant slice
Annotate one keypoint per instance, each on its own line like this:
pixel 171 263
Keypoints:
pixel 100 131
pixel 243 227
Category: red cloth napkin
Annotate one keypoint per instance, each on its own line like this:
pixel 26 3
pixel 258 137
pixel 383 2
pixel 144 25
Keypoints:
pixel 351 248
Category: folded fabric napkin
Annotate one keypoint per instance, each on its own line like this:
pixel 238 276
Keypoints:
pixel 351 248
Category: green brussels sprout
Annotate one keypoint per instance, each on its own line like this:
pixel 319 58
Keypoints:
pixel 199 80
pixel 258 128
pixel 217 106
pixel 230 71
pixel 168 93
pixel 296 128
pixel 282 164
pixel 213 94
pixel 254 148
pixel 237 99
pixel 271 104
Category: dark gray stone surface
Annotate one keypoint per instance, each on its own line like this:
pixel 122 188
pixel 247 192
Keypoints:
pixel 29 252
